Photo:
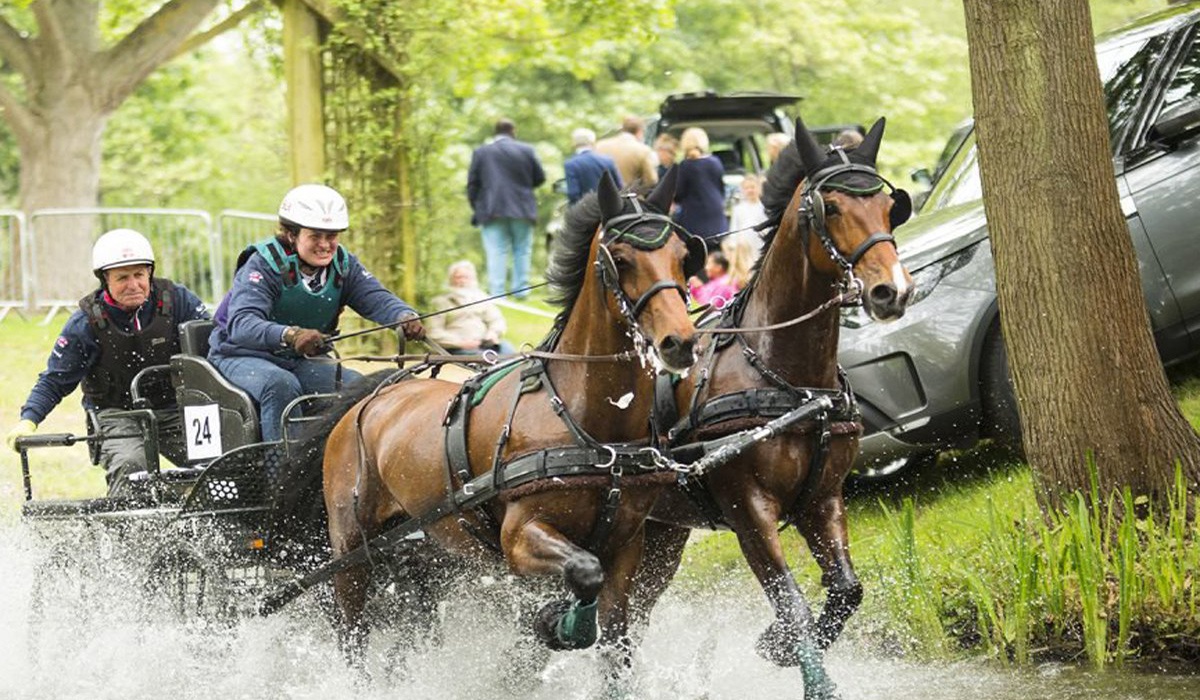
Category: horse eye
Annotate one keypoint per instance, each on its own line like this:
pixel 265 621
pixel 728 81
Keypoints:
pixel 831 209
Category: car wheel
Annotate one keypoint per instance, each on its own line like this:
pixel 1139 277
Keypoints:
pixel 1000 421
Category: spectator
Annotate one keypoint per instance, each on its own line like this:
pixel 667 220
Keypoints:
pixel 740 252
pixel 665 147
pixel 634 159
pixel 700 190
pixel 847 139
pixel 500 184
pixel 719 289
pixel 776 142
pixel 583 170
pixel 131 322
pixel 748 211
pixel 462 329
pixel 287 295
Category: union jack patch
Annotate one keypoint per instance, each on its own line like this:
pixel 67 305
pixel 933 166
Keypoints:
pixel 62 341
pixel 255 276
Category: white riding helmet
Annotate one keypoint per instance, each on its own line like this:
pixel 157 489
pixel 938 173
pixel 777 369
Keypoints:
pixel 120 247
pixel 316 207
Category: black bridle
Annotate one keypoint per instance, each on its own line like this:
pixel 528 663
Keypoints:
pixel 621 228
pixel 812 209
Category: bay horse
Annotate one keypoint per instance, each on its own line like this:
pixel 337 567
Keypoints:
pixel 834 221
pixel 563 434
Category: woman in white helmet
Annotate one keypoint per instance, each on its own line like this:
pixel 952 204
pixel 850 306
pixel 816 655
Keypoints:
pixel 131 322
pixel 285 300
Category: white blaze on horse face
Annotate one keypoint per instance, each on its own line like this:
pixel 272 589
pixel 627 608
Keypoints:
pixel 898 278
pixel 623 402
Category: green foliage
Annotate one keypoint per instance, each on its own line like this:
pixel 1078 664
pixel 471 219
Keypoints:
pixel 204 131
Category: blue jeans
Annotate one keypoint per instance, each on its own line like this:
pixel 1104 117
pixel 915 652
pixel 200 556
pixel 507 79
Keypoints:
pixel 500 237
pixel 274 387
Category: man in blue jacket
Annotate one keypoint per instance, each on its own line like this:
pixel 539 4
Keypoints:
pixel 286 297
pixel 131 322
pixel 500 184
pixel 584 169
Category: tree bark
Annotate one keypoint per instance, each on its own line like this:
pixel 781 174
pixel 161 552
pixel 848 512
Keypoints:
pixel 1088 381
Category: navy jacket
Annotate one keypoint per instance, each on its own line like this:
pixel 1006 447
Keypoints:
pixel 501 179
pixel 243 325
pixel 700 194
pixel 583 171
pixel 76 350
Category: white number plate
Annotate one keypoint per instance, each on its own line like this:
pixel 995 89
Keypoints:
pixel 202 425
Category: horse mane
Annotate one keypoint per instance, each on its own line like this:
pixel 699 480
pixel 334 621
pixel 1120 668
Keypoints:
pixel 783 177
pixel 299 516
pixel 568 266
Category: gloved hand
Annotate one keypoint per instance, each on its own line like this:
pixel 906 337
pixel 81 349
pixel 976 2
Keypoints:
pixel 413 330
pixel 308 342
pixel 24 428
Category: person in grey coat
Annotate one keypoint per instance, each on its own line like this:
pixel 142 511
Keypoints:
pixel 500 183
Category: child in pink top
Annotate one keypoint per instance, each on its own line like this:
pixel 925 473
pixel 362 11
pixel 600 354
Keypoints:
pixel 719 289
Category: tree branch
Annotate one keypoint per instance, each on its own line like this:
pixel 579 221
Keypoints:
pixel 14 49
pixel 155 40
pixel 195 41
pixel 15 114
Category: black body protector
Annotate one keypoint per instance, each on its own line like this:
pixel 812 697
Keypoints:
pixel 124 354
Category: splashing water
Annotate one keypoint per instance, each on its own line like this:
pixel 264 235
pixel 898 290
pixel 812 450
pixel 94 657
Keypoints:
pixel 104 640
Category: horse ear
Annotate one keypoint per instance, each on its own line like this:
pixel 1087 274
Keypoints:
pixel 664 191
pixel 869 149
pixel 810 152
pixel 610 198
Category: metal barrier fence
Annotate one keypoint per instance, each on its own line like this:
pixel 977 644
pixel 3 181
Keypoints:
pixel 14 292
pixel 61 249
pixel 236 230
pixel 45 262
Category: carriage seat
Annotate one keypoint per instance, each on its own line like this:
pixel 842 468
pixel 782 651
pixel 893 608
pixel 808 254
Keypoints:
pixel 198 383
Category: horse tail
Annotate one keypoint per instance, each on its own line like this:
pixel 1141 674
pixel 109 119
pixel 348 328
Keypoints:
pixel 298 519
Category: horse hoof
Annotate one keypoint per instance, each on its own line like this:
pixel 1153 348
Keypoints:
pixel 563 625
pixel 779 645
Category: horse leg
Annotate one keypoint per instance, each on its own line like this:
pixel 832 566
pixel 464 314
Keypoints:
pixel 824 529
pixel 536 549
pixel 790 640
pixel 662 555
pixel 350 586
pixel 616 648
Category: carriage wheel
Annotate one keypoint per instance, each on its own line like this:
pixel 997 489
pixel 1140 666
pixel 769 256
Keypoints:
pixel 189 587
pixel 1000 422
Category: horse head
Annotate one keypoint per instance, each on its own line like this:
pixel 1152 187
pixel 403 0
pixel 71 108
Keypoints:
pixel 851 211
pixel 642 258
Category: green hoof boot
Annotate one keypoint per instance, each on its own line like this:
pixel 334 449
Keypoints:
pixel 817 684
pixel 563 625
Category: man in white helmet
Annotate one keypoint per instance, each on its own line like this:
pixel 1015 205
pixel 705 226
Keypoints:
pixel 285 300
pixel 131 322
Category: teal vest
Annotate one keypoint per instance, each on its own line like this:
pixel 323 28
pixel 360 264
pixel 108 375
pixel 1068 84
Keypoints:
pixel 298 305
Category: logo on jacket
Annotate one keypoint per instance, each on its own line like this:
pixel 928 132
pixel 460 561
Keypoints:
pixel 255 276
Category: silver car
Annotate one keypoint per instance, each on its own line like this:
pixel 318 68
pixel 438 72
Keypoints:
pixel 938 378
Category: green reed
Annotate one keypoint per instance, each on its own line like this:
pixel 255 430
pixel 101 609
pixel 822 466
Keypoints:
pixel 1101 580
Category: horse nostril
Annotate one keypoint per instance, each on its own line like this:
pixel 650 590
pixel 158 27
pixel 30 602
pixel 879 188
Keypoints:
pixel 677 351
pixel 883 295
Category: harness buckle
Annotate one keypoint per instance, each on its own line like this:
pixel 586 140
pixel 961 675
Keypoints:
pixel 468 488
pixel 612 459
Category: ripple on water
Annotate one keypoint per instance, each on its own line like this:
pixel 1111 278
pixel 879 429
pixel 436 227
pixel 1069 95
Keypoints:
pixel 699 646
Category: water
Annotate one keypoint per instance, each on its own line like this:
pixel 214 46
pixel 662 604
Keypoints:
pixel 699 646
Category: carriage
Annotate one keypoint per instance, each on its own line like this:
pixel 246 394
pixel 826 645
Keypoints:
pixel 200 534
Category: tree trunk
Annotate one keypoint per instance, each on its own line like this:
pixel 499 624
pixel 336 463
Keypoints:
pixel 60 167
pixel 1088 381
